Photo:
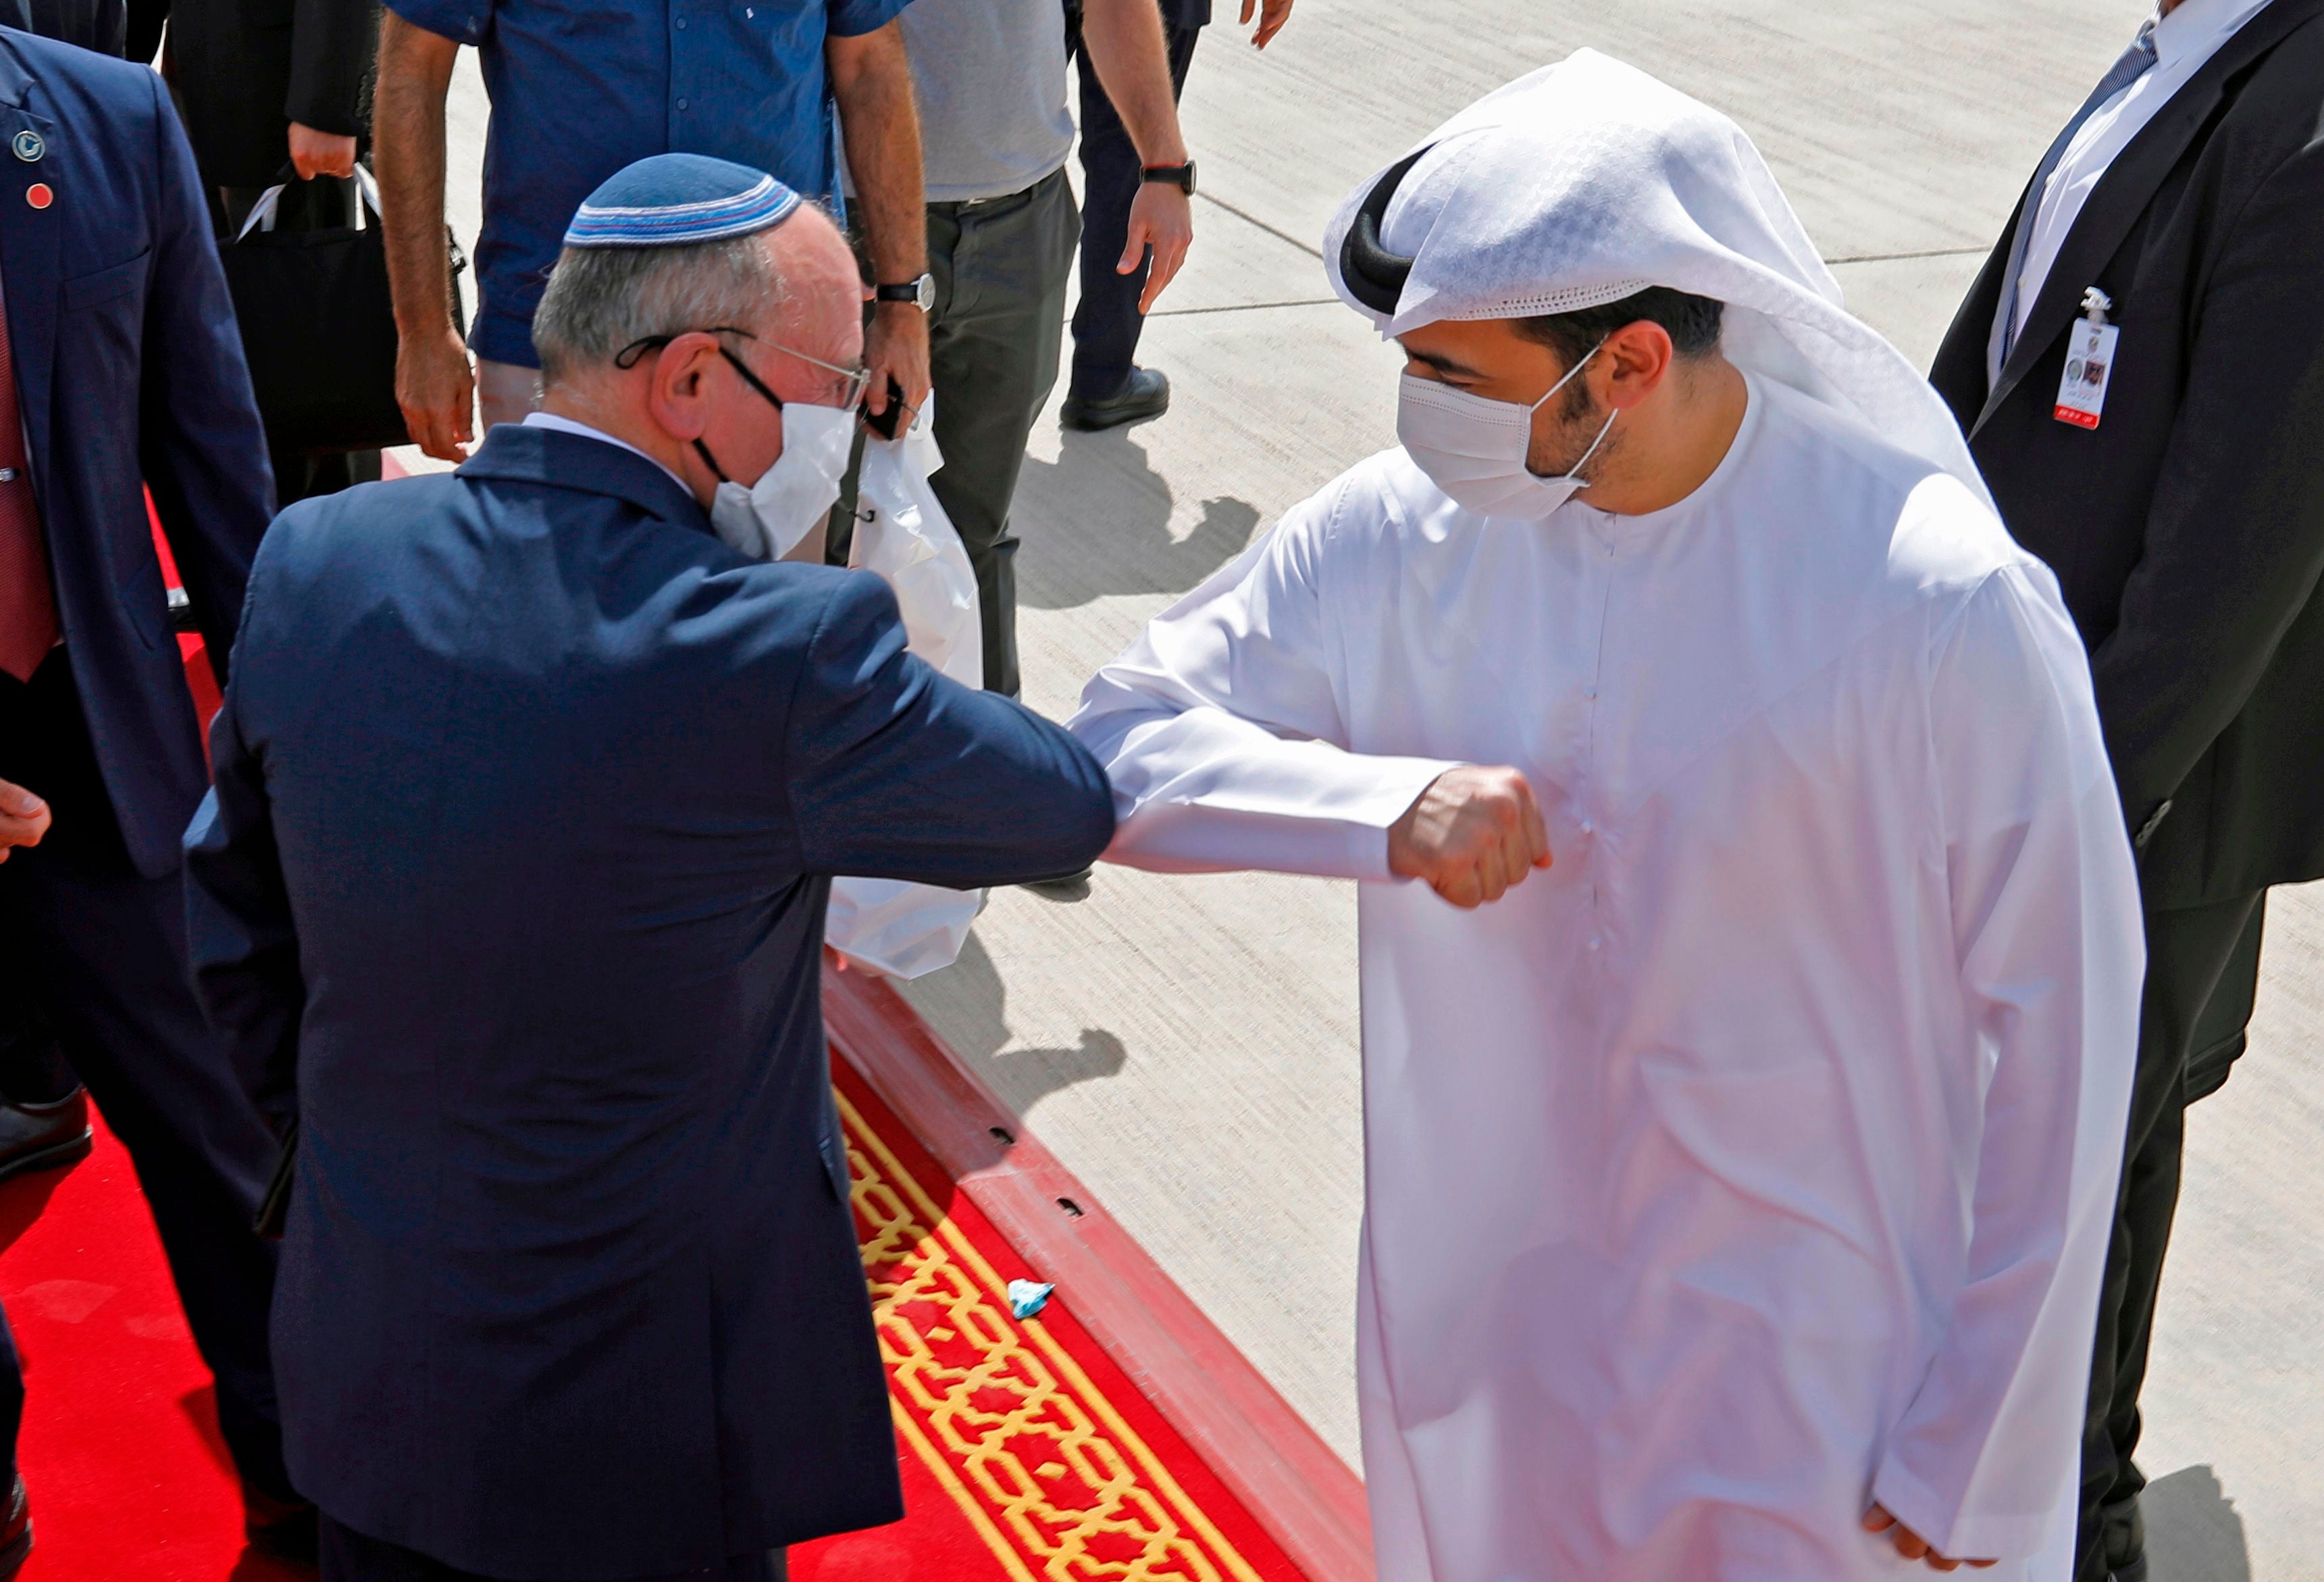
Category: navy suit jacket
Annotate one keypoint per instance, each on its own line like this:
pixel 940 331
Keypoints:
pixel 129 370
pixel 528 794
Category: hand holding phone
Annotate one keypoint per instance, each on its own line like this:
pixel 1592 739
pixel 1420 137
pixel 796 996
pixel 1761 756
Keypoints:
pixel 886 423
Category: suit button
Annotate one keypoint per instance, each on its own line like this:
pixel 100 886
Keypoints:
pixel 7 475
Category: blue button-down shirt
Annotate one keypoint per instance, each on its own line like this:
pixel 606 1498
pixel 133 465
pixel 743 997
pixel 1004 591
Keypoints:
pixel 582 87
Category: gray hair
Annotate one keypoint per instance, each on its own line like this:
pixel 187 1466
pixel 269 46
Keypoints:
pixel 601 300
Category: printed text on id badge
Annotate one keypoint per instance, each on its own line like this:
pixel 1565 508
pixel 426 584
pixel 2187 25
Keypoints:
pixel 2090 365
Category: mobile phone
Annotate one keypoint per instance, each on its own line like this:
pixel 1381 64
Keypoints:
pixel 886 423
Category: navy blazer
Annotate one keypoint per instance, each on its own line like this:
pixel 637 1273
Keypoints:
pixel 528 794
pixel 129 370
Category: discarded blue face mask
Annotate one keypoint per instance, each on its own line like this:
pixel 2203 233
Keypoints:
pixel 1026 1298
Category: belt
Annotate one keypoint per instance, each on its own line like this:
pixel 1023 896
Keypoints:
pixel 1021 192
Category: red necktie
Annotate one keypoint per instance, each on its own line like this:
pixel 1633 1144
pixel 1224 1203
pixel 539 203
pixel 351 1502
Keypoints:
pixel 28 604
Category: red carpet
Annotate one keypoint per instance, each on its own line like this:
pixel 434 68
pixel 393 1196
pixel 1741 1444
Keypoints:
pixel 120 1448
pixel 1026 1455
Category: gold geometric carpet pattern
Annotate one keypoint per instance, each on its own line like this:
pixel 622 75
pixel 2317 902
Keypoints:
pixel 1041 1464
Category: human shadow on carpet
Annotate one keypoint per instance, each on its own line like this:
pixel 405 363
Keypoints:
pixel 22 1201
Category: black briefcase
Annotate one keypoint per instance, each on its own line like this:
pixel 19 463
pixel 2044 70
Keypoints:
pixel 318 325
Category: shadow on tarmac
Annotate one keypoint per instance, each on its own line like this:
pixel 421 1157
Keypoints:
pixel 2193 1533
pixel 1120 540
pixel 976 1025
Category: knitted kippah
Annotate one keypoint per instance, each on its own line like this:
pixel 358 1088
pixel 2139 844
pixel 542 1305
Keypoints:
pixel 674 199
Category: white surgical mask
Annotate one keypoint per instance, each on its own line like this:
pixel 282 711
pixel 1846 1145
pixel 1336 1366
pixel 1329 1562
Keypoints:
pixel 767 519
pixel 1474 448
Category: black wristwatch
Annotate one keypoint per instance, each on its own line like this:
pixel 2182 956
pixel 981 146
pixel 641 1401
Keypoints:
pixel 1180 176
pixel 920 293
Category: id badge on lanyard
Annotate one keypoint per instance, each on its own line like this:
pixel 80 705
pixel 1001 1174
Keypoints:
pixel 2089 364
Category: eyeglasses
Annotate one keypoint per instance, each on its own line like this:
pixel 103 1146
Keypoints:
pixel 857 378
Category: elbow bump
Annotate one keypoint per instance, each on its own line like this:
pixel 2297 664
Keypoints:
pixel 1094 826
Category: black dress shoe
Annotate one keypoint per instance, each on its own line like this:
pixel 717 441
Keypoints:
pixel 1146 394
pixel 16 1532
pixel 43 1136
pixel 2134 1572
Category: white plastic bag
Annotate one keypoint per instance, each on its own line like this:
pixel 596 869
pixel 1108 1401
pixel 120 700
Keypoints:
pixel 902 534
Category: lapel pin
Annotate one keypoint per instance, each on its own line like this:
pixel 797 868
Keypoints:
pixel 39 195
pixel 27 146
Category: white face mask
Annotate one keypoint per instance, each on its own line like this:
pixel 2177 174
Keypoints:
pixel 774 514
pixel 1474 448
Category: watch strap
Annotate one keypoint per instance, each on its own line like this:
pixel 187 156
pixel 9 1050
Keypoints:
pixel 1179 176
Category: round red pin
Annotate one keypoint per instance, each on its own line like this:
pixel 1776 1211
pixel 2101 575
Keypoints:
pixel 39 195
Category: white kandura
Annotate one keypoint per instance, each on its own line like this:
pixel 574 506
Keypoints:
pixel 1756 1160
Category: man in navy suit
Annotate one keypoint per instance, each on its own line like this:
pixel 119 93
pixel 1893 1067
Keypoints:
pixel 530 790
pixel 122 368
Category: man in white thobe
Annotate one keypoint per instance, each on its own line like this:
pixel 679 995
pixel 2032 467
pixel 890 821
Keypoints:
pixel 1737 1181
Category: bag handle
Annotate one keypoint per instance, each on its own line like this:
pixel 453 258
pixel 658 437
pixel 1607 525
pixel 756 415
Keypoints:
pixel 262 212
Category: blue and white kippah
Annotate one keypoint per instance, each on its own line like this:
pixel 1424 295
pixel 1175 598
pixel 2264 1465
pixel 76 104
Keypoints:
pixel 672 200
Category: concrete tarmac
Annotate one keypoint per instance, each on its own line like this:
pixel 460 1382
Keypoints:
pixel 1188 1045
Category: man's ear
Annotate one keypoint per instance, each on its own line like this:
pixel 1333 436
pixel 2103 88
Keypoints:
pixel 679 391
pixel 1639 358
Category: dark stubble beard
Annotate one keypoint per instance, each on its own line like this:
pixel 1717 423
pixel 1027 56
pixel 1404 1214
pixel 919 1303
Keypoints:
pixel 1579 419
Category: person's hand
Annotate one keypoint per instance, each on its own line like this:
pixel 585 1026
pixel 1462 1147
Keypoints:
pixel 1473 834
pixel 896 348
pixel 23 817
pixel 1161 217
pixel 1272 15
pixel 1912 1545
pixel 437 390
pixel 321 153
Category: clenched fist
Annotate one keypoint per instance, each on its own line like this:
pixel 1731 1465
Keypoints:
pixel 1473 834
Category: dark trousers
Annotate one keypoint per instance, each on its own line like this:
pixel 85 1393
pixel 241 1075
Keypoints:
pixel 350 1557
pixel 102 952
pixel 995 336
pixel 2202 974
pixel 33 1070
pixel 12 1406
pixel 1107 322
pixel 301 476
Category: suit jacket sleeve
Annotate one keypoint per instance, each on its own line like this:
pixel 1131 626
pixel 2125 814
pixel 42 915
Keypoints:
pixel 238 923
pixel 200 442
pixel 332 43
pixel 2235 537
pixel 896 772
